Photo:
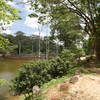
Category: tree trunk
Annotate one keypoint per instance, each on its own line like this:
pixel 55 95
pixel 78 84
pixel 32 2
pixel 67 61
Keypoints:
pixel 32 47
pixel 39 46
pixel 19 48
pixel 97 48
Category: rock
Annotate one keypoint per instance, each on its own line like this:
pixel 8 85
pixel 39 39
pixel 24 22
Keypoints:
pixel 36 91
pixel 78 72
pixel 64 87
pixel 73 80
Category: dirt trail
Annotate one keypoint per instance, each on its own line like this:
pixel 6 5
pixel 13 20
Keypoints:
pixel 86 87
pixel 13 98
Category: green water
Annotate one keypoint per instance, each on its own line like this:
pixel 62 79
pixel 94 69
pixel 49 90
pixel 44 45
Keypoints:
pixel 8 69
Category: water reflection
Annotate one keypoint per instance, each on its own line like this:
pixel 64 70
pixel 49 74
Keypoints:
pixel 5 89
pixel 6 75
pixel 8 68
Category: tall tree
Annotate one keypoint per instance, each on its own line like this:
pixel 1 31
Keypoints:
pixel 66 26
pixel 86 10
pixel 19 37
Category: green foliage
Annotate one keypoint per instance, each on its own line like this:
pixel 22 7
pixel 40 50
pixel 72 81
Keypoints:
pixel 72 54
pixel 97 20
pixel 34 73
pixel 58 67
pixel 67 55
pixel 3 42
pixel 8 13
pixel 66 28
pixel 3 45
pixel 3 82
pixel 40 72
pixel 20 44
pixel 68 19
pixel 33 15
pixel 86 46
pixel 79 52
pixel 98 66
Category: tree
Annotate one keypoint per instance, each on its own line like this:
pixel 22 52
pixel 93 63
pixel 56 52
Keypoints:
pixel 66 27
pixel 3 42
pixel 86 10
pixel 3 45
pixel 19 37
pixel 39 29
pixel 4 9
pixel 7 14
pixel 29 44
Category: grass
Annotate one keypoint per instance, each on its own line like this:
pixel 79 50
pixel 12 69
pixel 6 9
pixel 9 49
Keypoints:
pixel 22 98
pixel 55 81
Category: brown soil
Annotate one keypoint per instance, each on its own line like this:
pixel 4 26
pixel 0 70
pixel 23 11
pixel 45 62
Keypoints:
pixel 87 87
pixel 13 98
pixel 94 70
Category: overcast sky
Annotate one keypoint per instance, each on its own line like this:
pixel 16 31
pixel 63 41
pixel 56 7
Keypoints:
pixel 27 24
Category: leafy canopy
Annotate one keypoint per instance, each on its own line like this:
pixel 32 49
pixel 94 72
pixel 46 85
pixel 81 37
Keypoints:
pixel 7 12
pixel 3 42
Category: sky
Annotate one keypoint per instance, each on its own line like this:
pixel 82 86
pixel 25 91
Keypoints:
pixel 27 25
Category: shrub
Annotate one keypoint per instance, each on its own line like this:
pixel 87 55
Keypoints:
pixel 33 73
pixel 40 72
pixel 67 55
pixel 71 55
pixel 79 52
pixel 58 67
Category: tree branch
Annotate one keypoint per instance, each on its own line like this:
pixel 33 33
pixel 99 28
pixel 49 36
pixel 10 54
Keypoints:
pixel 79 10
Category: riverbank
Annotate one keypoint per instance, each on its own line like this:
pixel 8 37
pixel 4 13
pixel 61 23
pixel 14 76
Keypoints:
pixel 15 97
pixel 78 87
pixel 25 57
pixel 8 69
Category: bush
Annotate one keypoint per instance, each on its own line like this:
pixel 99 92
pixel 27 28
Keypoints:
pixel 40 72
pixel 33 73
pixel 58 67
pixel 79 52
pixel 67 55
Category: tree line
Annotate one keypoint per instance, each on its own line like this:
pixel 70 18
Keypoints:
pixel 20 44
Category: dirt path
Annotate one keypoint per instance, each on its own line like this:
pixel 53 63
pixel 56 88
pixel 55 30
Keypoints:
pixel 13 98
pixel 87 87
pixel 94 70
